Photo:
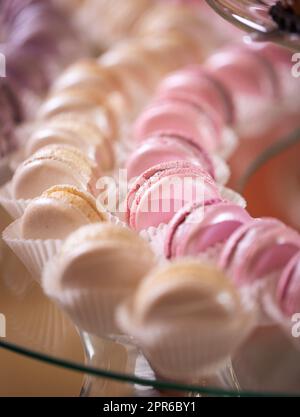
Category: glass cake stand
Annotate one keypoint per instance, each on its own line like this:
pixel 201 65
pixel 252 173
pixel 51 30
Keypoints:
pixel 253 16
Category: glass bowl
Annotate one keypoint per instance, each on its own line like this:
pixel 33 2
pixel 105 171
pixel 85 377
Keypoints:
pixel 253 16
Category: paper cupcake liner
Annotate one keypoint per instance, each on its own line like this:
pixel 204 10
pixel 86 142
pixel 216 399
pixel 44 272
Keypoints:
pixel 232 196
pixel 14 207
pixel 114 219
pixel 222 171
pixel 184 354
pixel 92 310
pixel 263 293
pixel 33 253
pixel 156 237
pixel 229 143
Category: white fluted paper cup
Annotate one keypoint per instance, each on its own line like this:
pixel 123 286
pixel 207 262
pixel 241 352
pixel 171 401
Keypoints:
pixel 14 207
pixel 184 353
pixel 33 253
pixel 91 309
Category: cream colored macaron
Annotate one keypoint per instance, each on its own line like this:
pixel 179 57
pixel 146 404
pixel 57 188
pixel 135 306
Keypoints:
pixel 90 75
pixel 58 212
pixel 53 165
pixel 187 318
pixel 98 267
pixel 74 130
pixel 85 101
pixel 87 73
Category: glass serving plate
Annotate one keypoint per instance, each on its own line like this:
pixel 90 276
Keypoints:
pixel 253 16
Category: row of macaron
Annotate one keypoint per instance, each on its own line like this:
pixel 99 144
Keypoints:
pixel 90 101
pixel 103 249
pixel 140 61
pixel 213 228
pixel 173 126
pixel 73 301
pixel 110 88
pixel 235 87
pixel 135 18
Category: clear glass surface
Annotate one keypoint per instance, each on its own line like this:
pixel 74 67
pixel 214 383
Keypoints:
pixel 253 16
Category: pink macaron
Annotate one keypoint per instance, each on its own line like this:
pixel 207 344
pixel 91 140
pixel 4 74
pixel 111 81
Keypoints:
pixel 183 116
pixel 249 77
pixel 200 226
pixel 281 60
pixel 257 249
pixel 162 190
pixel 288 289
pixel 165 147
pixel 197 85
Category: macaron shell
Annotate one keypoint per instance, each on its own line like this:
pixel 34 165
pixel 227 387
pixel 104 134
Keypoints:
pixel 177 224
pixel 182 117
pixel 219 221
pixel 198 86
pixel 48 136
pixel 288 288
pixel 54 165
pixel 236 237
pixel 101 152
pixel 49 218
pixel 105 265
pixel 86 73
pixel 263 249
pixel 183 291
pixel 66 101
pixel 79 199
pixel 192 312
pixel 90 74
pixel 36 177
pixel 104 255
pixel 241 69
pixel 164 148
pixel 168 191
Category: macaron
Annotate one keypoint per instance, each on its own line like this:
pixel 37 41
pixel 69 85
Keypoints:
pixel 173 49
pixel 84 101
pixel 164 147
pixel 87 73
pixel 53 165
pixel 200 226
pixel 165 17
pixel 249 77
pixel 90 74
pixel 98 267
pixel 187 318
pixel 280 59
pixel 185 117
pixel 74 130
pixel 197 85
pixel 58 212
pixel 257 249
pixel 162 190
pixel 288 288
